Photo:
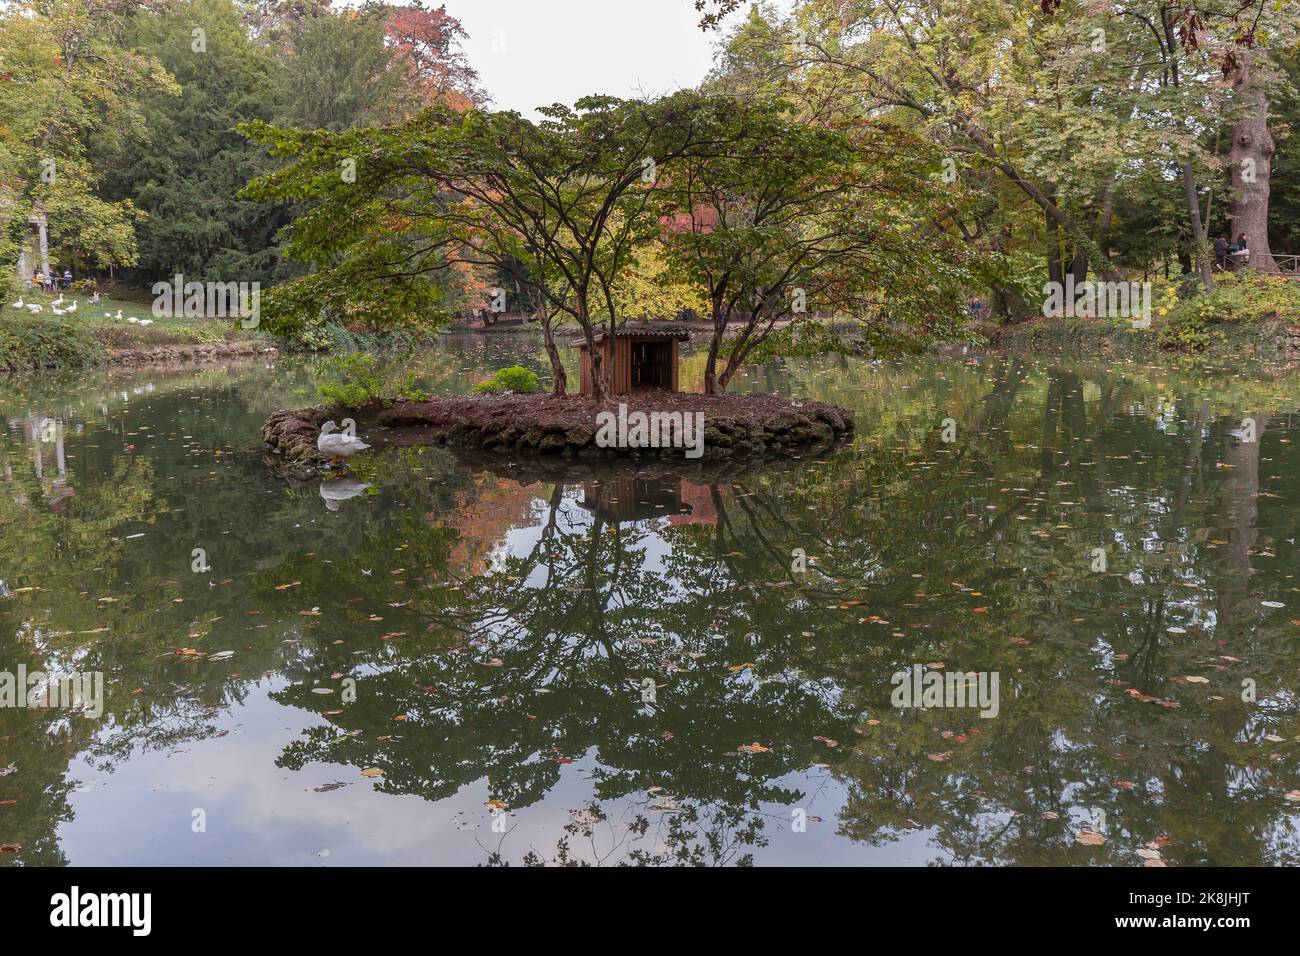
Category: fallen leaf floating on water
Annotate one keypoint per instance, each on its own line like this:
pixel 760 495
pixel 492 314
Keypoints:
pixel 1089 837
pixel 1148 699
pixel 285 587
pixel 221 656
pixel 1197 680
pixel 328 787
pixel 1294 796
pixel 827 741
pixel 754 748
pixel 740 667
pixel 497 804
pixel 372 772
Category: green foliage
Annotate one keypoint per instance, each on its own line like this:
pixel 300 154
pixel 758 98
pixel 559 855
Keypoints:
pixel 67 84
pixel 355 379
pixel 517 379
pixel 187 169
pixel 30 343
pixel 1239 298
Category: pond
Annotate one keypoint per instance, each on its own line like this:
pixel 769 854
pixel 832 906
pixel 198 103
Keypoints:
pixel 465 664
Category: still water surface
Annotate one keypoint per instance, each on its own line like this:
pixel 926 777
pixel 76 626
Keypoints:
pixel 457 644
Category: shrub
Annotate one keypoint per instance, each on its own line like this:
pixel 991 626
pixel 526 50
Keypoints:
pixel 32 342
pixel 1239 298
pixel 517 379
pixel 356 378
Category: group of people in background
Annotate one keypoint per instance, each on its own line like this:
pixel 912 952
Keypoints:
pixel 52 281
pixel 1231 255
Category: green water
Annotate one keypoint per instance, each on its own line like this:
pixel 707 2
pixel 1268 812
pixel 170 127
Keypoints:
pixel 492 635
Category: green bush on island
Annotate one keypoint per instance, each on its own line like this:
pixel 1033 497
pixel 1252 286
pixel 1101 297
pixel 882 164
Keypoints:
pixel 1239 299
pixel 516 378
pixel 357 378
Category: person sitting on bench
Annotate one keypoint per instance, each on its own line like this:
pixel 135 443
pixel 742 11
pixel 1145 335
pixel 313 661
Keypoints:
pixel 1240 252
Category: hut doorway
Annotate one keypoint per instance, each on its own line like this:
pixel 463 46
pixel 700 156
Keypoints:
pixel 652 365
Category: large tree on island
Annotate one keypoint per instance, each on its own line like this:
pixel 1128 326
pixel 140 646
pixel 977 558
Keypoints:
pixel 563 206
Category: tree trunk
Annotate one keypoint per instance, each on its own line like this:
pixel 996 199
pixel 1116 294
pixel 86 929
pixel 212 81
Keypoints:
pixel 599 387
pixel 1252 159
pixel 715 345
pixel 1007 303
pixel 558 375
pixel 1200 243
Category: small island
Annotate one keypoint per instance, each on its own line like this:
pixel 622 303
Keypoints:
pixel 643 416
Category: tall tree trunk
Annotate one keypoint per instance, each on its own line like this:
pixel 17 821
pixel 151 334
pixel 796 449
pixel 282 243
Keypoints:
pixel 1054 272
pixel 558 375
pixel 1200 239
pixel 1252 159
pixel 1200 242
pixel 1007 303
pixel 599 383
pixel 711 384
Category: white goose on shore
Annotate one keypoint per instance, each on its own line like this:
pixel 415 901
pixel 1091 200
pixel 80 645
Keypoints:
pixel 338 445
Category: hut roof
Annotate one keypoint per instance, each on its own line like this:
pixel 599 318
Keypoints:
pixel 658 331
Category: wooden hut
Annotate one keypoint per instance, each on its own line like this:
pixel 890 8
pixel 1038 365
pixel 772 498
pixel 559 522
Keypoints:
pixel 639 356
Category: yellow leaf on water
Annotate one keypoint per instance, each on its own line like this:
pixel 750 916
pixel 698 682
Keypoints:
pixel 1089 837
pixel 372 772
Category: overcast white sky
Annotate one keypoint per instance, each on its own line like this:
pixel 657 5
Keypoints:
pixel 532 53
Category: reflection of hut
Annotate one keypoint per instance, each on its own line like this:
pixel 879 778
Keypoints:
pixel 621 500
pixel 697 506
pixel 638 356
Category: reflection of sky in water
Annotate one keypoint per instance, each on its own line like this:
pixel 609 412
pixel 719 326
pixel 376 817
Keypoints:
pixel 967 557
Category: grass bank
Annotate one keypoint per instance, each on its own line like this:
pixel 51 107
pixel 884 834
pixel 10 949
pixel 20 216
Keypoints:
pixel 1247 315
pixel 111 331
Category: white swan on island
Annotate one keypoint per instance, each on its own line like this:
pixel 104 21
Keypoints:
pixel 339 445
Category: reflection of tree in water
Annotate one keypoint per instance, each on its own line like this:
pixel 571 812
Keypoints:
pixel 647 833
pixel 512 623
pixel 542 656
